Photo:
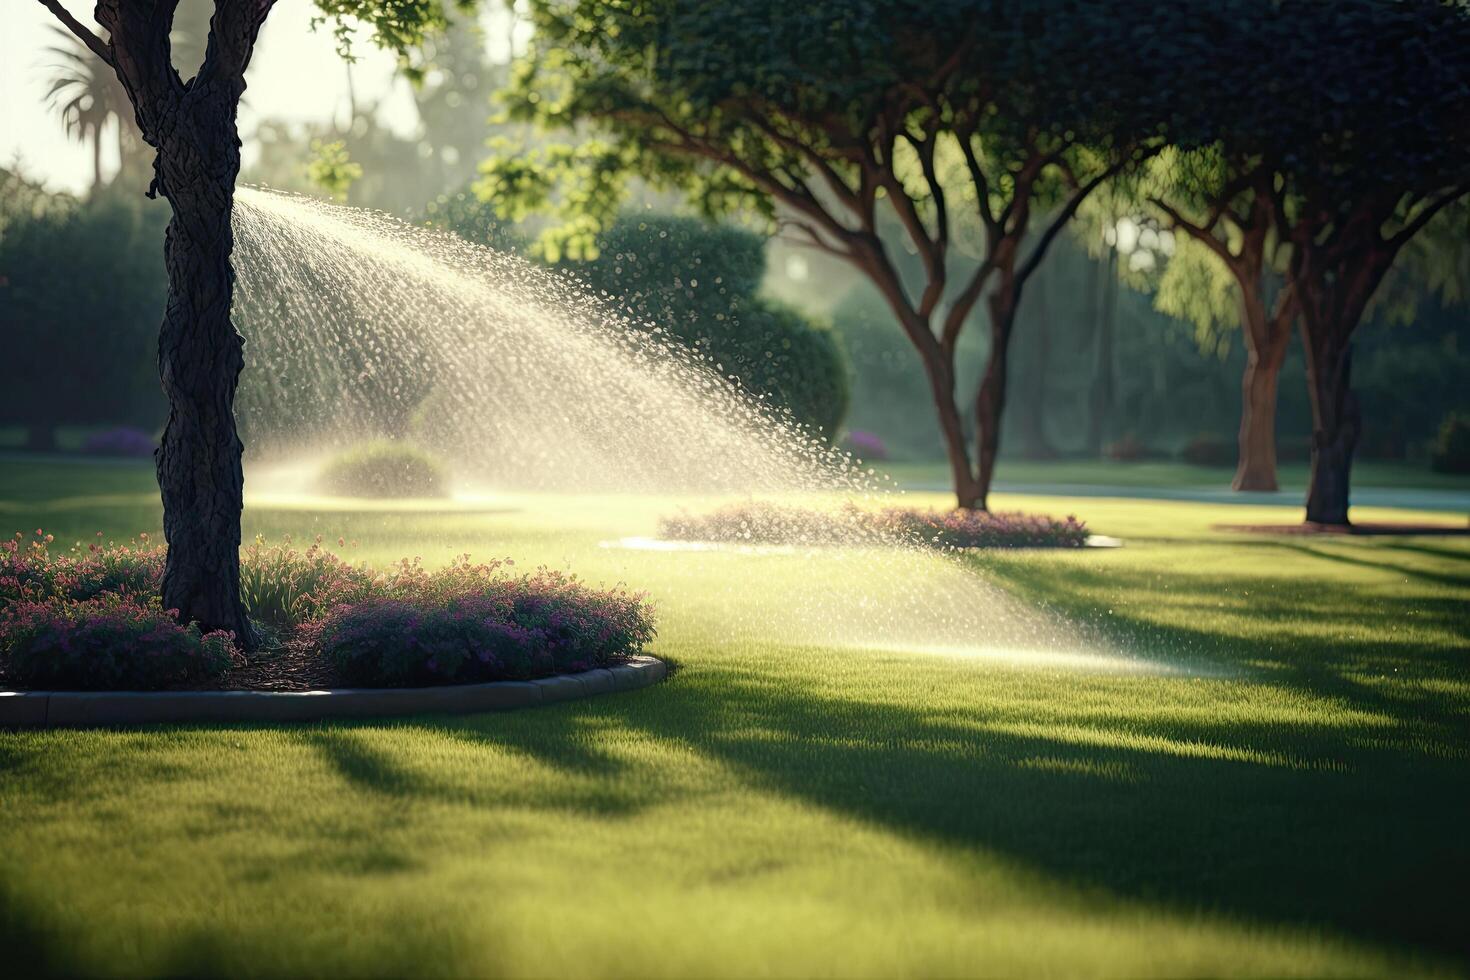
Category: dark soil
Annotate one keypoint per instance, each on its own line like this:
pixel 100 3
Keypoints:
pixel 291 666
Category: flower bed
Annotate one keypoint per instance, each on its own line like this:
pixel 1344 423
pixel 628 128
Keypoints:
pixel 91 619
pixel 760 522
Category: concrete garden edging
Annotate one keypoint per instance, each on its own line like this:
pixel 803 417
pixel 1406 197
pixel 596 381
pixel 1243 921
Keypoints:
pixel 94 709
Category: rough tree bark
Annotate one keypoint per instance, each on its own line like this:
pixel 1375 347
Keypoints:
pixel 1267 334
pixel 1035 442
pixel 1336 422
pixel 1333 278
pixel 990 400
pixel 191 127
pixel 200 356
pixel 1267 337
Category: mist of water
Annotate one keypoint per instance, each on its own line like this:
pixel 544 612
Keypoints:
pixel 359 325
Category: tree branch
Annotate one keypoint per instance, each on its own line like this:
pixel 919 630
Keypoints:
pixel 76 27
pixel 1426 214
pixel 1038 252
pixel 954 320
pixel 1200 233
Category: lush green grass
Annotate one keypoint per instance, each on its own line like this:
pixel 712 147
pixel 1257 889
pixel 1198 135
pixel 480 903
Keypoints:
pixel 1291 799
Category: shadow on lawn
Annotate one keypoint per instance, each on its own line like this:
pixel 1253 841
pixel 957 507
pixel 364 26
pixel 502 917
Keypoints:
pixel 1374 848
pixel 1355 827
pixel 1368 843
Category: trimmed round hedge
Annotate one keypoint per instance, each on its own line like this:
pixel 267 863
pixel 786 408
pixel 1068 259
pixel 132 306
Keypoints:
pixel 699 282
pixel 384 469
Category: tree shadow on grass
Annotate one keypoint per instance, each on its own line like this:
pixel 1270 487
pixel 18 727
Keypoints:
pixel 1337 667
pixel 1352 823
pixel 1332 828
pixel 1359 559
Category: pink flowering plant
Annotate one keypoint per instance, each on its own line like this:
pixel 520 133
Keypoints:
pixel 113 641
pixel 29 569
pixel 90 618
pixel 473 622
pixel 762 522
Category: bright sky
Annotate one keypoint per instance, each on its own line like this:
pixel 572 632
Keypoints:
pixel 295 75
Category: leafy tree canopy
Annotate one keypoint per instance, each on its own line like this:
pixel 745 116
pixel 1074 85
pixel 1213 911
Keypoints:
pixel 735 104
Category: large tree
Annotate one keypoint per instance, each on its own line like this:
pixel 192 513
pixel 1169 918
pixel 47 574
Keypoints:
pixel 975 125
pixel 1222 203
pixel 1370 143
pixel 190 123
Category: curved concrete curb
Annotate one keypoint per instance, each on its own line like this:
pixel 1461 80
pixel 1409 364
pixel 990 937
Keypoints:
pixel 90 709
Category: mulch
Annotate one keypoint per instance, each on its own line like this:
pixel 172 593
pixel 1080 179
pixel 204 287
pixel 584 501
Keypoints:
pixel 1309 528
pixel 291 666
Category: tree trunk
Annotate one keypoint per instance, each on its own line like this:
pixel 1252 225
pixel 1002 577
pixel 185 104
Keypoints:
pixel 1100 401
pixel 951 426
pixel 1256 469
pixel 1336 421
pixel 200 356
pixel 990 401
pixel 1266 340
pixel 1034 441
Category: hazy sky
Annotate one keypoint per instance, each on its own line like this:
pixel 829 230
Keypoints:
pixel 295 75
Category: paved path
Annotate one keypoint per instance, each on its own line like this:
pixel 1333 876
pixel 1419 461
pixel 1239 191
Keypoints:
pixel 1405 498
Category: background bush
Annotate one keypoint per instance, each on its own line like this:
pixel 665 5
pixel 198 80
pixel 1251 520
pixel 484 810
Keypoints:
pixel 384 469
pixel 1452 446
pixel 763 522
pixel 699 283
pixel 82 290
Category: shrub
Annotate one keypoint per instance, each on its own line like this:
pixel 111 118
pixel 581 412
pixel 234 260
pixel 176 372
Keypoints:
pixel 865 445
pixel 698 282
pixel 1451 452
pixel 470 623
pixel 110 642
pixel 122 441
pixel 91 619
pixel 983 529
pixel 282 587
pixel 384 469
pixel 1206 450
pixel 762 522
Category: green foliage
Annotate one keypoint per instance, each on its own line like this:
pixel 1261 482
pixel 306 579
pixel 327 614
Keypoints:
pixel 737 106
pixel 473 220
pixel 384 469
pixel 331 168
pixel 698 282
pixel 400 26
pixel 82 289
pixel 282 586
pixel 1452 447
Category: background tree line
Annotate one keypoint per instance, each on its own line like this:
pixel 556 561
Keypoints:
pixel 1032 300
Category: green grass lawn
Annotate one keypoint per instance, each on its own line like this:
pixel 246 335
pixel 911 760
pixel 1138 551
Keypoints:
pixel 1280 787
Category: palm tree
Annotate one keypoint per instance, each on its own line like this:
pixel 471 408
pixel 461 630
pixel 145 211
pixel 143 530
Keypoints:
pixel 87 95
